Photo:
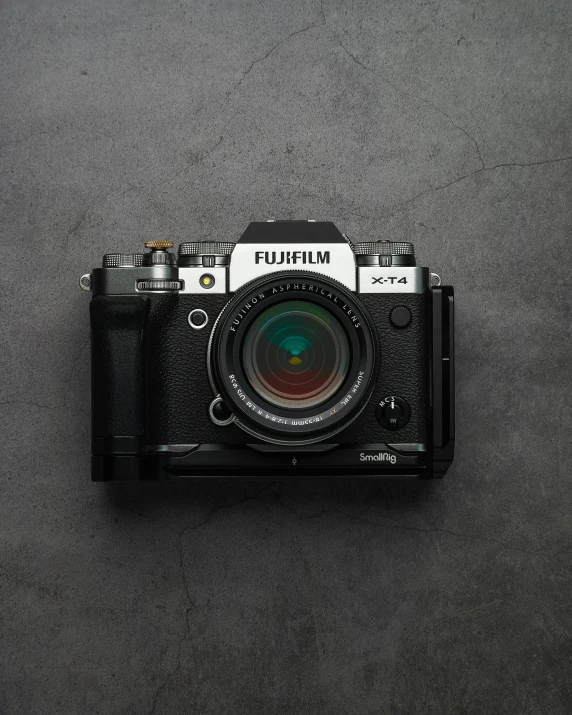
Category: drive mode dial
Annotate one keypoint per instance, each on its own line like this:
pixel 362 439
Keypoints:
pixel 205 253
pixel 122 260
pixel 393 413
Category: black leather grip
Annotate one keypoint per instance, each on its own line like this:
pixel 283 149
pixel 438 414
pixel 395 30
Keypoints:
pixel 118 372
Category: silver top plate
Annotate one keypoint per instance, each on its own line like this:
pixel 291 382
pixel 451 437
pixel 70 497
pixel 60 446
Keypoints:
pixel 255 260
pixel 396 279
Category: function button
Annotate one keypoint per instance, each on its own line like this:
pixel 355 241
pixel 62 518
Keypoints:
pixel 400 316
pixel 393 413
pixel 198 318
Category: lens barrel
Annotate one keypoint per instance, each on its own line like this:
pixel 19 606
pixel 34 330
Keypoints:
pixel 294 356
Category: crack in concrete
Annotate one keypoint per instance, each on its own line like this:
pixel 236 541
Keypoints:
pixel 88 210
pixel 86 342
pixel 399 527
pixel 222 507
pixel 440 111
pixel 190 603
pixel 444 619
pixel 175 670
pixel 430 190
pixel 25 139
pixel 440 187
pixel 33 403
pixel 85 213
pixel 270 51
pixel 540 162
pixel 404 92
pixel 125 507
pixel 78 223
pixel 440 530
pixel 73 367
pixel 303 517
pixel 190 606
pixel 509 165
pixel 151 187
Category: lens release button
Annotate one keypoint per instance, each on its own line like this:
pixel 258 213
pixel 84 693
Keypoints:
pixel 393 413
pixel 221 412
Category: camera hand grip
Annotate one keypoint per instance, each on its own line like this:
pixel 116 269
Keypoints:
pixel 118 384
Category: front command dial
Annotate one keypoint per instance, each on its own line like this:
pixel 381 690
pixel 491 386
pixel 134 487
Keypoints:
pixel 393 413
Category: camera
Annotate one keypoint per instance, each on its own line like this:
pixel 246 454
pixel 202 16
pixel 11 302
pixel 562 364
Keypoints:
pixel 292 352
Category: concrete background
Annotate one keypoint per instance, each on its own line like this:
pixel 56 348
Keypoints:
pixel 446 123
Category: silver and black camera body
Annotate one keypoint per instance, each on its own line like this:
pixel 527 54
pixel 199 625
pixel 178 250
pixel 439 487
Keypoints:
pixel 293 352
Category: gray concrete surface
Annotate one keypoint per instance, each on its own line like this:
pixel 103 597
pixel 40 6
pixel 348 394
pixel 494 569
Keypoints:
pixel 444 122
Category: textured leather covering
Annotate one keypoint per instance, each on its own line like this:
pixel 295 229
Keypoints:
pixel 117 395
pixel 178 392
pixel 404 369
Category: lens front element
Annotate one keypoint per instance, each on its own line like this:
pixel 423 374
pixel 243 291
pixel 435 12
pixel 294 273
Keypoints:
pixel 296 355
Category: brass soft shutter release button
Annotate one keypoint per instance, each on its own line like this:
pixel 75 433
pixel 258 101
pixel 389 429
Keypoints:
pixel 159 245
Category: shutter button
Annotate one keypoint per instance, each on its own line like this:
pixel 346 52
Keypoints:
pixel 393 413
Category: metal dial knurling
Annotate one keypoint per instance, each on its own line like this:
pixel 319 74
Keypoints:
pixel 159 245
pixel 384 248
pixel 122 260
pixel 206 248
pixel 161 285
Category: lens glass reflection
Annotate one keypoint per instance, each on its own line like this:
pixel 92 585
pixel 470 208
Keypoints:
pixel 296 355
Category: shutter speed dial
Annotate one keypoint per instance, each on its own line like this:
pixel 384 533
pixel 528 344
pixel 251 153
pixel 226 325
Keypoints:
pixel 393 413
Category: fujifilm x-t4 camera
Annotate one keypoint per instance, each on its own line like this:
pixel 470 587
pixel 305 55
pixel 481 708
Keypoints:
pixel 293 352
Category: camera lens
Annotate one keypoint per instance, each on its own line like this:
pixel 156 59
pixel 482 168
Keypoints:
pixel 296 355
